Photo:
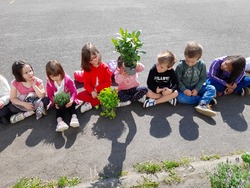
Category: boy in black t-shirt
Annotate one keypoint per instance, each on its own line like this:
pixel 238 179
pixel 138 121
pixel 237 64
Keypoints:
pixel 162 81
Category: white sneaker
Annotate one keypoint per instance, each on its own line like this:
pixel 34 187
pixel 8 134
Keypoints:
pixel 17 117
pixel 121 104
pixel 74 122
pixel 205 110
pixel 62 126
pixel 86 107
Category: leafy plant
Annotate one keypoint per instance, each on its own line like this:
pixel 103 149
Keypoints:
pixel 109 101
pixel 61 99
pixel 128 45
pixel 227 175
pixel 246 158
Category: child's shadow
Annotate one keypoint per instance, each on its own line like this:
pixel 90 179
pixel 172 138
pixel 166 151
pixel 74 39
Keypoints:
pixel 188 128
pixel 232 112
pixel 115 130
pixel 44 130
pixel 159 126
pixel 8 133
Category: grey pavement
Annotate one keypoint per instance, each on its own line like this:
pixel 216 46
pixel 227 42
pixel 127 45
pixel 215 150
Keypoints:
pixel 37 31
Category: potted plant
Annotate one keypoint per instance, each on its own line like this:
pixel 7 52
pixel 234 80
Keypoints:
pixel 109 101
pixel 61 99
pixel 128 45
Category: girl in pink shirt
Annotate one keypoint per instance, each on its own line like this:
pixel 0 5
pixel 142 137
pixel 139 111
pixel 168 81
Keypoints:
pixel 129 89
pixel 58 81
pixel 27 94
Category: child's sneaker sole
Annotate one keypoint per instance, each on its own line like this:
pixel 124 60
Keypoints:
pixel 61 128
pixel 206 112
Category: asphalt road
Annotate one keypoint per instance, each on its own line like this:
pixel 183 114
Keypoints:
pixel 41 30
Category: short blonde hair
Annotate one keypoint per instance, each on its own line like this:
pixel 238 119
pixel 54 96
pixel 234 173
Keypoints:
pixel 166 57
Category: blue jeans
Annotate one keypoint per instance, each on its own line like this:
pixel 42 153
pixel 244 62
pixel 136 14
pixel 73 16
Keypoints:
pixel 245 81
pixel 205 95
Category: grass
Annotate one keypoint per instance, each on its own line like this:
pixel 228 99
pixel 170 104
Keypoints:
pixel 38 183
pixel 65 181
pixel 209 157
pixel 147 183
pixel 169 165
pixel 173 178
pixel 152 168
pixel 148 167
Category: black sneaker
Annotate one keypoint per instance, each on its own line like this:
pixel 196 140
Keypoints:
pixel 205 109
pixel 173 101
pixel 149 102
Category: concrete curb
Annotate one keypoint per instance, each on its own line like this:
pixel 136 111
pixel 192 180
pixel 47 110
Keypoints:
pixel 193 175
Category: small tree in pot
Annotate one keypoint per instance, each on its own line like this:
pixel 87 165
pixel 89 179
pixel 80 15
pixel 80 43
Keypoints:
pixel 128 45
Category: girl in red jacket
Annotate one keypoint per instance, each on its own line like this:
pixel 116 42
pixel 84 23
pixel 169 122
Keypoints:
pixel 96 77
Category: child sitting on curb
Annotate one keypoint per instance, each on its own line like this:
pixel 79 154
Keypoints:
pixel 128 85
pixel 191 74
pixel 162 81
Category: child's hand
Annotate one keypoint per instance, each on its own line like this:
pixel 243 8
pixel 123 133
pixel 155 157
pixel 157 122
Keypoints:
pixel 159 90
pixel 124 73
pixel 28 106
pixel 94 94
pixel 194 92
pixel 69 104
pixel 1 104
pixel 56 106
pixel 33 81
pixel 228 91
pixel 187 92
pixel 234 86
pixel 166 91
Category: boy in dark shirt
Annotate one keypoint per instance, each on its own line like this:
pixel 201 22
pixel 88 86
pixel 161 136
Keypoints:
pixel 162 81
pixel 191 74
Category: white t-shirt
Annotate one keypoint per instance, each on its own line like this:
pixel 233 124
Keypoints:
pixel 59 88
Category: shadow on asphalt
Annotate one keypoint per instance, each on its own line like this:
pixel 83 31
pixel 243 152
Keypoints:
pixel 230 107
pixel 102 129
